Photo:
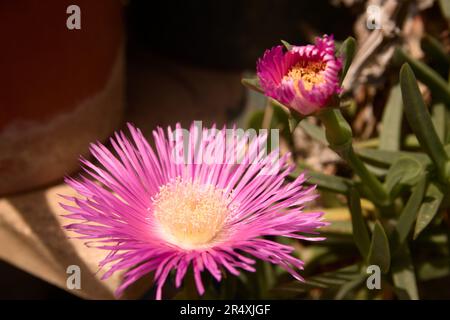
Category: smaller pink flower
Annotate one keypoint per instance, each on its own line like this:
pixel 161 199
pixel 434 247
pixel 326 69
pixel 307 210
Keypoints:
pixel 303 78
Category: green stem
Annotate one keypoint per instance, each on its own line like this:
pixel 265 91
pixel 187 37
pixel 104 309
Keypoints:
pixel 339 135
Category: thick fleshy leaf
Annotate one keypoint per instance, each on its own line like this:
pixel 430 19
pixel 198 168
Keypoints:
pixel 431 78
pixel 287 116
pixel 409 214
pixel 434 48
pixel 392 121
pixel 280 120
pixel 327 280
pixel 445 8
pixel 384 158
pixel 350 286
pixel 252 83
pixel 403 276
pixel 377 171
pixel 429 208
pixel 440 121
pixel 347 51
pixel 404 171
pixel 359 227
pixel 286 44
pixel 337 130
pixel 261 282
pixel 379 252
pixel 294 119
pixel 326 182
pixel 293 123
pixel 420 121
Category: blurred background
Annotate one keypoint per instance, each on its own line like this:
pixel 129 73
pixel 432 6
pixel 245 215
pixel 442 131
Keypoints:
pixel 158 63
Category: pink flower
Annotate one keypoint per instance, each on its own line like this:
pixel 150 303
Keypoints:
pixel 155 214
pixel 304 78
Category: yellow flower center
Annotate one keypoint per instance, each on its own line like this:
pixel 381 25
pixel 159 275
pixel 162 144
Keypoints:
pixel 309 72
pixel 191 214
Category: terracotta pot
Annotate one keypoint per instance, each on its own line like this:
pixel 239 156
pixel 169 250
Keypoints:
pixel 59 89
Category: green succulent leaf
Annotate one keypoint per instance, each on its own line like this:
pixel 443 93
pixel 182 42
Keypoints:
pixel 403 172
pixel 347 50
pixel 359 227
pixel 445 8
pixel 379 252
pixel 384 158
pixel 420 121
pixel 431 78
pixel 281 115
pixel 429 208
pixel 434 48
pixel 392 121
pixel 409 214
pixel 353 284
pixel 286 44
pixel 440 121
pixel 326 182
pixel 328 280
pixel 403 276
pixel 377 171
pixel 294 119
pixel 252 83
pixel 283 120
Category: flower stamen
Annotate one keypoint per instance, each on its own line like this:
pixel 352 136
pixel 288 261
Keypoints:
pixel 309 72
pixel 191 214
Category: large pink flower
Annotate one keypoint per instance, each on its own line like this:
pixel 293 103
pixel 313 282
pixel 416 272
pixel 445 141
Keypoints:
pixel 169 209
pixel 303 78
